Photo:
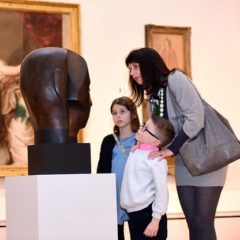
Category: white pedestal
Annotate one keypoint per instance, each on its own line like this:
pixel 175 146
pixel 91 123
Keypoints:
pixel 61 207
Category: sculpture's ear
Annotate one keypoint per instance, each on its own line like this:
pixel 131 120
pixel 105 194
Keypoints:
pixel 60 83
pixel 79 81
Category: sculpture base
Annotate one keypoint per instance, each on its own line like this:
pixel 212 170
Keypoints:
pixel 59 158
pixel 60 207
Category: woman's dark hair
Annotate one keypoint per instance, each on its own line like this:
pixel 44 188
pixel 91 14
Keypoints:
pixel 131 107
pixel 153 70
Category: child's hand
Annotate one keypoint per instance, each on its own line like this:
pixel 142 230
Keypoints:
pixel 152 228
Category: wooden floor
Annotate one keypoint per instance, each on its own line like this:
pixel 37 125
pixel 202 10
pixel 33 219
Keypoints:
pixel 227 229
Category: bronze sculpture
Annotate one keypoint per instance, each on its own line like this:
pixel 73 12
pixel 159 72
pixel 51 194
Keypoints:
pixel 55 86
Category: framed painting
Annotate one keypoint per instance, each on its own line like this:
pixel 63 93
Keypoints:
pixel 173 44
pixel 26 26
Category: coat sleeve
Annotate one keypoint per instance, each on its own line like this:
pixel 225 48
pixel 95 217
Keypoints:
pixel 188 103
pixel 160 203
pixel 105 157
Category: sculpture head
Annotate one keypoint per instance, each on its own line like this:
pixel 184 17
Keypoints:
pixel 55 86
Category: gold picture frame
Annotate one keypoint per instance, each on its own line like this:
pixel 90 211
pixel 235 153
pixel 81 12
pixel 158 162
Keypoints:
pixel 70 15
pixel 173 44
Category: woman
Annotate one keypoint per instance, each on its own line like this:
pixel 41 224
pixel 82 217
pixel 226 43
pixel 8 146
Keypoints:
pixel 173 97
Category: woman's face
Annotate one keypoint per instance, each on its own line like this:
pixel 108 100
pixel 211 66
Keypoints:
pixel 135 73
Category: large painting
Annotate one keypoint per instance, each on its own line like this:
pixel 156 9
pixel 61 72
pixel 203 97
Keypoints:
pixel 25 26
pixel 172 43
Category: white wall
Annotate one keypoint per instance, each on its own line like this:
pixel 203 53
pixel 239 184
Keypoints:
pixel 110 29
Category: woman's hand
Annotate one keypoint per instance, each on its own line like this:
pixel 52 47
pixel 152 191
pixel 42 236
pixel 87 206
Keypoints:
pixel 161 154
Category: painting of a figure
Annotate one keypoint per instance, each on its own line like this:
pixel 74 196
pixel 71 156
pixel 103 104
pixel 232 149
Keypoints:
pixel 21 32
pixel 169 53
pixel 172 43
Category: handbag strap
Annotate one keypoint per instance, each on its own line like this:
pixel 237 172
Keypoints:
pixel 205 103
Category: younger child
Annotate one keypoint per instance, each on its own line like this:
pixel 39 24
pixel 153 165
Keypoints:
pixel 144 192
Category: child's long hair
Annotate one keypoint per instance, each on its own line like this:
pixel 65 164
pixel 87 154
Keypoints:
pixel 129 104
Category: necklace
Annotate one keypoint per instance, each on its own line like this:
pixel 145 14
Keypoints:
pixel 157 103
pixel 123 150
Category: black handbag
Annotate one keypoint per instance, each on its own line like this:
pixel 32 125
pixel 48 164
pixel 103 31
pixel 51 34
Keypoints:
pixel 214 147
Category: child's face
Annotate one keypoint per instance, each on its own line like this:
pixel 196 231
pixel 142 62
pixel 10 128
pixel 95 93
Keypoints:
pixel 147 133
pixel 121 116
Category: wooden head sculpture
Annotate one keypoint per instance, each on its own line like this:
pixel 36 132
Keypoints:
pixel 55 86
